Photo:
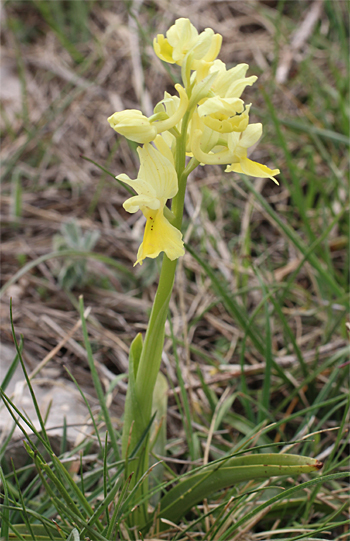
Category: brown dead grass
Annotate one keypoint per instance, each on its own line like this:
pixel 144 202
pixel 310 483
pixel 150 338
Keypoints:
pixel 67 111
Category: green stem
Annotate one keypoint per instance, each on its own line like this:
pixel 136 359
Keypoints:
pixel 138 409
pixel 153 346
pixel 180 164
pixel 138 406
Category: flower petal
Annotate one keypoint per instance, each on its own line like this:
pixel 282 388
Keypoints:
pixel 182 36
pixel 253 169
pixel 137 202
pixel 158 172
pixel 174 119
pixel 160 236
pixel 217 105
pixel 251 135
pixel 218 158
pixel 163 49
pixel 232 82
pixel 224 115
pixel 139 185
pixel 164 148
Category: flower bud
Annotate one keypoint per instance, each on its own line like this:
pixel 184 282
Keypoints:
pixel 133 125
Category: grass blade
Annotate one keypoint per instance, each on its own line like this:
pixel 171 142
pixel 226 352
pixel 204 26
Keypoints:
pixel 297 241
pixel 97 383
pixel 237 312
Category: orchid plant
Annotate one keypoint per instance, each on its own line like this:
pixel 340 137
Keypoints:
pixel 207 122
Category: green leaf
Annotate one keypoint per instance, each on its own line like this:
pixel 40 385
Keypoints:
pixel 97 383
pixel 236 311
pixel 158 433
pixel 135 352
pixel 4 532
pixel 12 369
pixel 131 402
pixel 127 188
pixel 226 473
pixel 298 242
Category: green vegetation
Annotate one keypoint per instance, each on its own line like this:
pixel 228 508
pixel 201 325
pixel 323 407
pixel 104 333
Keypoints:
pixel 256 354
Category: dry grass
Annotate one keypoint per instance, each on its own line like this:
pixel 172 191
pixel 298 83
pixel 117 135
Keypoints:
pixel 59 186
pixel 67 109
pixel 56 111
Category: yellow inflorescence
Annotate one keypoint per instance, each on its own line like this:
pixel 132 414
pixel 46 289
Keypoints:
pixel 217 130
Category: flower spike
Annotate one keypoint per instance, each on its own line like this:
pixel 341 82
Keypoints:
pixel 207 121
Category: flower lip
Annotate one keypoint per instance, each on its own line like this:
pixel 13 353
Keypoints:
pixel 253 169
pixel 159 236
pixel 224 115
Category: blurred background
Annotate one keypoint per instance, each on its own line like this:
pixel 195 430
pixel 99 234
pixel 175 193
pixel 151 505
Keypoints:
pixel 275 300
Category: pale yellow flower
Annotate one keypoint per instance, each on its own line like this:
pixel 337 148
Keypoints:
pixel 231 149
pixel 135 126
pixel 201 135
pixel 170 105
pixel 222 109
pixel 175 110
pixel 175 114
pixel 230 83
pixel 155 184
pixel 182 38
pixel 163 49
pixel 239 144
pixel 224 115
pixel 161 143
pixel 253 169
